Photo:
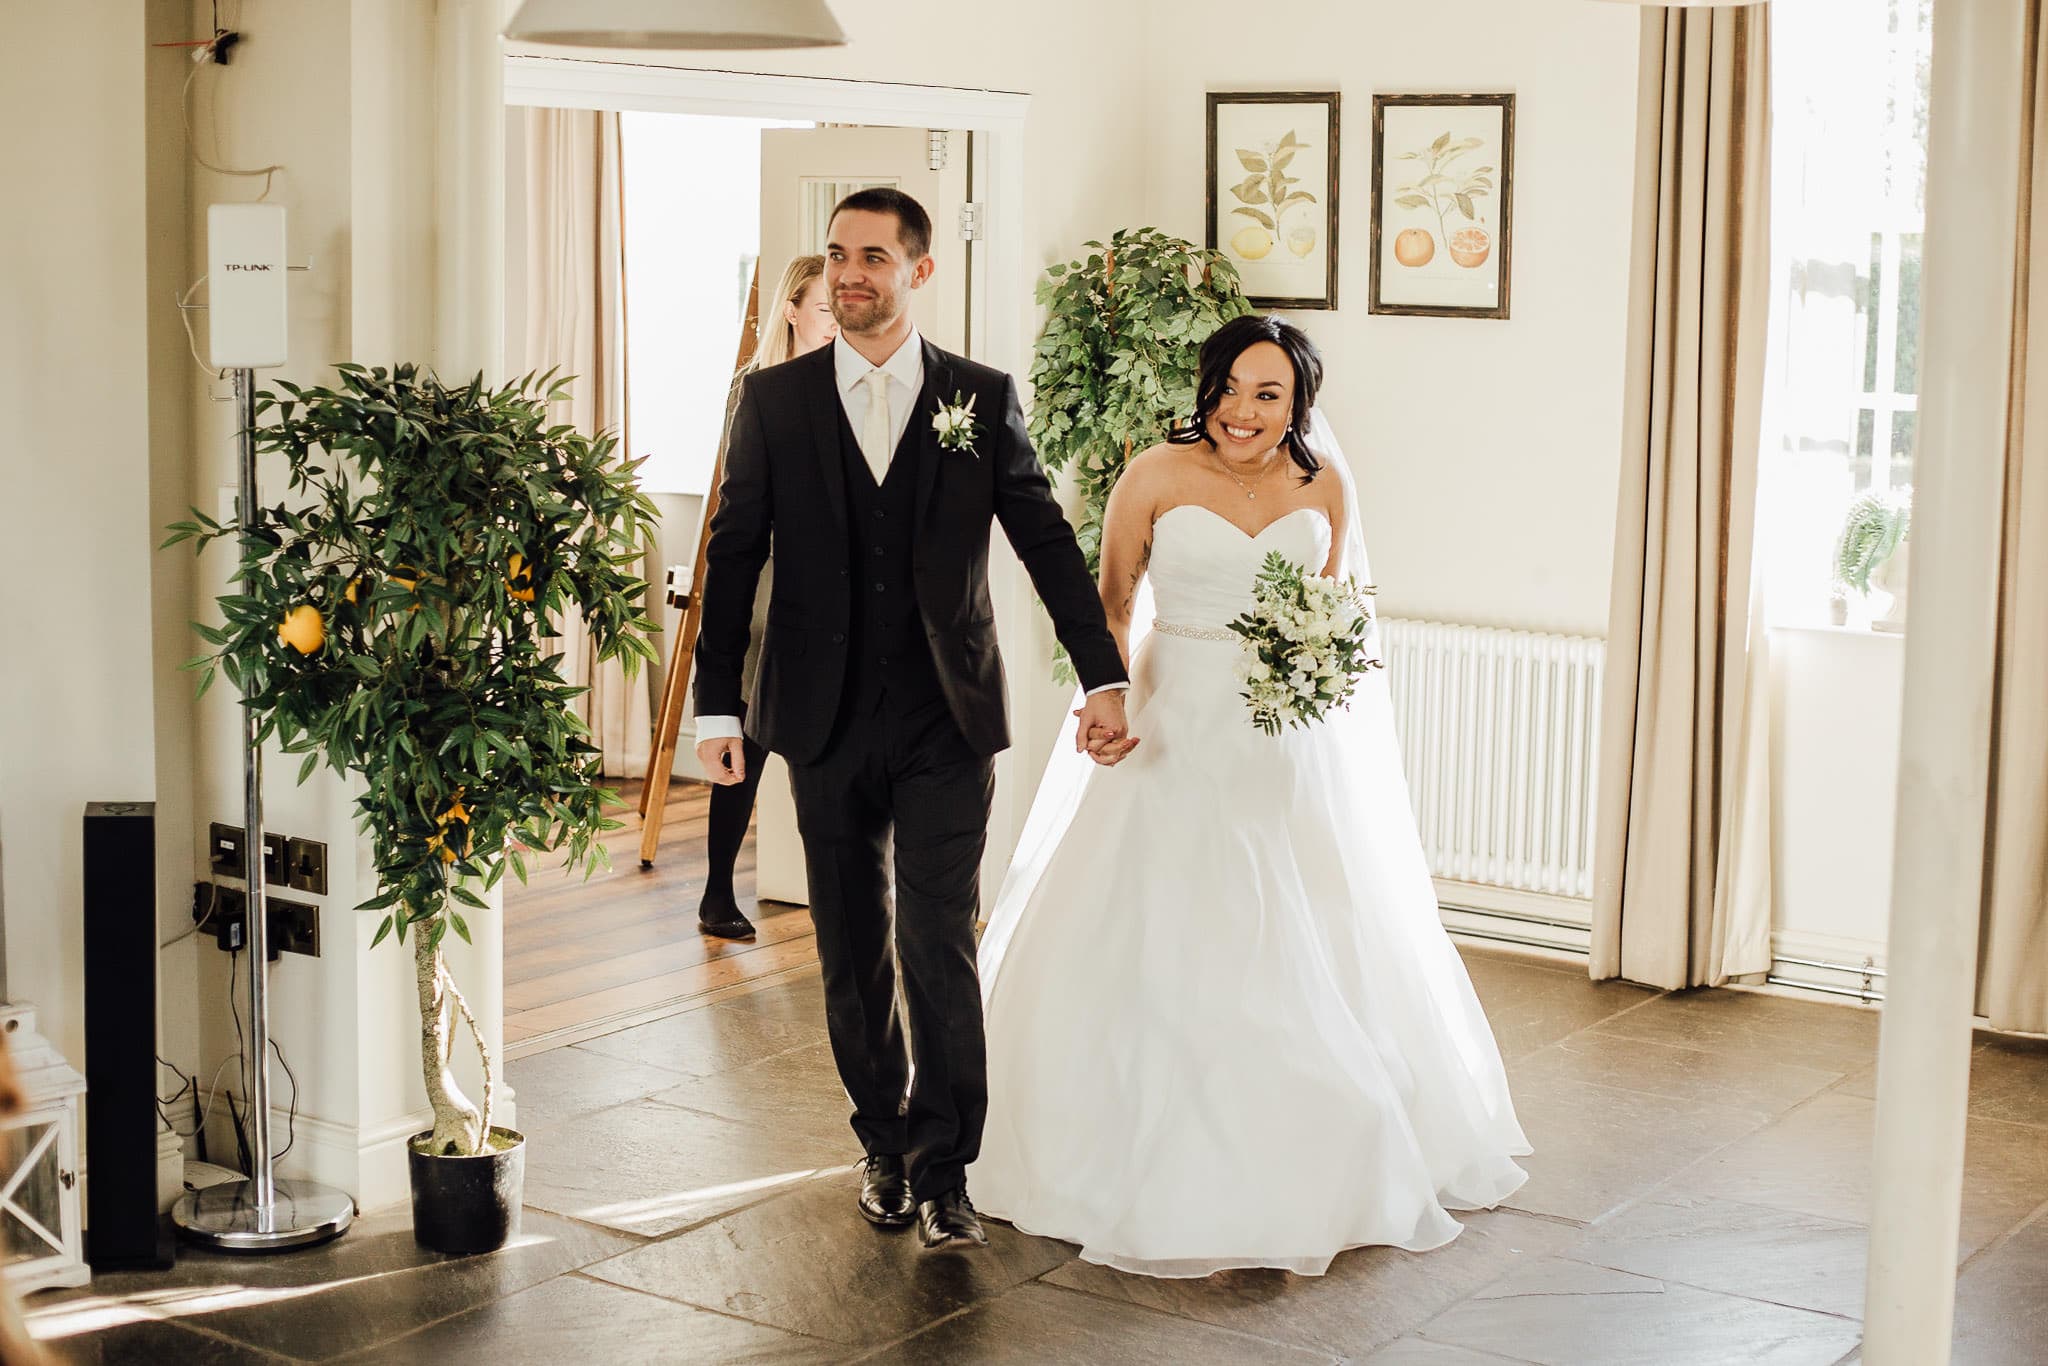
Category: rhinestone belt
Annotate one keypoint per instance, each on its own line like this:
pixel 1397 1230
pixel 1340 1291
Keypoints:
pixel 1194 632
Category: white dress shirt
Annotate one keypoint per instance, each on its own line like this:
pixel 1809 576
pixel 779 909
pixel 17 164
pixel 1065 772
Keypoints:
pixel 905 370
pixel 850 368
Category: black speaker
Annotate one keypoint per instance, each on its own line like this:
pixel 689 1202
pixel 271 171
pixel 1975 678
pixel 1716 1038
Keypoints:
pixel 122 1230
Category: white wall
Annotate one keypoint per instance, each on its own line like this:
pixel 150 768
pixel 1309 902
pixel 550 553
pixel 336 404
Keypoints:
pixel 1526 411
pixel 344 98
pixel 1487 451
pixel 77 719
pixel 1834 768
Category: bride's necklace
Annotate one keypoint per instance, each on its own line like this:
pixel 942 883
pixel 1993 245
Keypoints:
pixel 1258 478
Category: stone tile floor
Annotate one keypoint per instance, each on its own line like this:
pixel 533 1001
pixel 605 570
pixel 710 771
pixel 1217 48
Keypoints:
pixel 1699 1193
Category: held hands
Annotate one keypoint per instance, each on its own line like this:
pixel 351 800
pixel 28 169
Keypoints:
pixel 1103 734
pixel 724 761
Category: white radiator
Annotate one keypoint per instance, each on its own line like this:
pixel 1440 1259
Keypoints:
pixel 1499 733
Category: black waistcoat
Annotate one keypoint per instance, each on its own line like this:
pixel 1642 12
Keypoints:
pixel 889 658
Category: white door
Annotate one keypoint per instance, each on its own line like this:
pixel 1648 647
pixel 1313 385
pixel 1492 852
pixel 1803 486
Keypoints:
pixel 804 172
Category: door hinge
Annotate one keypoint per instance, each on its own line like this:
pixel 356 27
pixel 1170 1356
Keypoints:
pixel 936 147
pixel 971 225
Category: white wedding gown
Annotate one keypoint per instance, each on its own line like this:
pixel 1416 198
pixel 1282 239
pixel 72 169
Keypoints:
pixel 1225 1026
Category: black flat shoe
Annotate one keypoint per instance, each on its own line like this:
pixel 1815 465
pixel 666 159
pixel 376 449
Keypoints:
pixel 720 918
pixel 885 1192
pixel 949 1224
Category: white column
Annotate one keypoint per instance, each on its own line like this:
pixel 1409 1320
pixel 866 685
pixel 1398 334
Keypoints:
pixel 469 336
pixel 1975 126
pixel 469 188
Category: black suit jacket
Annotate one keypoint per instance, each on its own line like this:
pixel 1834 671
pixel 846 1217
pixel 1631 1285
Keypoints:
pixel 784 477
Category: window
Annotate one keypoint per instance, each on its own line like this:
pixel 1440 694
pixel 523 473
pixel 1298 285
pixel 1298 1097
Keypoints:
pixel 1849 88
pixel 692 189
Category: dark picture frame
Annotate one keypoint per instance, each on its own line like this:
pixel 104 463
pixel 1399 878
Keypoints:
pixel 1288 259
pixel 1450 241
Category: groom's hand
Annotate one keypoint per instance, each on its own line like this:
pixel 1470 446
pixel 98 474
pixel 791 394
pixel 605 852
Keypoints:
pixel 724 761
pixel 1103 733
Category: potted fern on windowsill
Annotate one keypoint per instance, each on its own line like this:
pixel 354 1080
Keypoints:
pixel 389 618
pixel 1871 553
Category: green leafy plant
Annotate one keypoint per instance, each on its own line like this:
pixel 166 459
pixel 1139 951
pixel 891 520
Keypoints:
pixel 390 617
pixel 1877 523
pixel 1442 185
pixel 1115 366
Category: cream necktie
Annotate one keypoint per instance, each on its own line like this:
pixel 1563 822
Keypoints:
pixel 874 435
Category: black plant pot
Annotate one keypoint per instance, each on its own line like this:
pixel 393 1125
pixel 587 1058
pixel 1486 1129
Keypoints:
pixel 468 1204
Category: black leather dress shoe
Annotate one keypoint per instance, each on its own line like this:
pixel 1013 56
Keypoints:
pixel 949 1224
pixel 885 1192
pixel 721 918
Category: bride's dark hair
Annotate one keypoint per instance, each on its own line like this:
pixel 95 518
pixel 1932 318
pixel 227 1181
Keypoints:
pixel 1221 351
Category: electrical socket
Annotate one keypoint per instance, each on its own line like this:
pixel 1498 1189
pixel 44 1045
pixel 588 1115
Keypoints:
pixel 228 851
pixel 294 927
pixel 306 865
pixel 225 848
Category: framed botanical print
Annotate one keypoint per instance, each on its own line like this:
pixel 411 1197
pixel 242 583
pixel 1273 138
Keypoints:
pixel 1442 204
pixel 1272 196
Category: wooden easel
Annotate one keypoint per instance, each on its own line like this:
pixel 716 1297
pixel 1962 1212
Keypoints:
pixel 676 687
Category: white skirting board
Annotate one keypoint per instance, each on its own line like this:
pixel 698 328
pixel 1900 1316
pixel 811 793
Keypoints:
pixel 1553 925
pixel 369 1164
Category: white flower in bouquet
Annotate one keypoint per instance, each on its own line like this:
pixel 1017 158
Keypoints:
pixel 1307 641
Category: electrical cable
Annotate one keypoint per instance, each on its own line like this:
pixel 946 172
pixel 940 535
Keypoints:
pixel 213 1094
pixel 185 310
pixel 242 1052
pixel 202 59
pixel 291 1121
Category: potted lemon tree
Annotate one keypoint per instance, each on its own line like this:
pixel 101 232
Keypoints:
pixel 388 617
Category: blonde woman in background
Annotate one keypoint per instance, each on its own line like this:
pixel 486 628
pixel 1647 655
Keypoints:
pixel 802 322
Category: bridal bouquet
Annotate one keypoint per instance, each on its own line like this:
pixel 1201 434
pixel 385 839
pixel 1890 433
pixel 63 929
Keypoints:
pixel 1307 641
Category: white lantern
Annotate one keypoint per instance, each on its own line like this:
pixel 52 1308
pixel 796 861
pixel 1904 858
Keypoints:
pixel 40 1232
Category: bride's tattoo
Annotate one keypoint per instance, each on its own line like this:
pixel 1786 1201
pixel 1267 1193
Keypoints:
pixel 1137 576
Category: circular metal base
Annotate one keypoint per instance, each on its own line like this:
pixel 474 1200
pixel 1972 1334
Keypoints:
pixel 226 1216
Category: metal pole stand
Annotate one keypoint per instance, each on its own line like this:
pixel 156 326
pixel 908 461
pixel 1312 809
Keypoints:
pixel 260 1213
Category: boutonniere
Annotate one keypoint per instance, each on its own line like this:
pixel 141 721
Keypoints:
pixel 955 424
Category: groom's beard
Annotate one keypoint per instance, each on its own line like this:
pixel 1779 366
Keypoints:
pixel 860 316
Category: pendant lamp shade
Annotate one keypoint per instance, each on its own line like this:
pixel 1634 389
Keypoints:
pixel 676 25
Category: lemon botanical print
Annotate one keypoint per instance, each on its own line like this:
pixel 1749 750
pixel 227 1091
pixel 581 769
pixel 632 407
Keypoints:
pixel 1268 198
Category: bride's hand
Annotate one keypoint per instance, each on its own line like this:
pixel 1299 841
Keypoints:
pixel 1101 745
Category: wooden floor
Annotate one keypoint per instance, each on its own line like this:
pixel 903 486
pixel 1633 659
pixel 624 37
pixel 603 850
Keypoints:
pixel 584 958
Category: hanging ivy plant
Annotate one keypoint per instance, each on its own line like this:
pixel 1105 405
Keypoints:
pixel 1116 364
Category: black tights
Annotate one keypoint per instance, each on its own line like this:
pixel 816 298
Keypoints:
pixel 732 808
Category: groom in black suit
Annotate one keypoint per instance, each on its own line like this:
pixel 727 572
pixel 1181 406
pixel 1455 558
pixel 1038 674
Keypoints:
pixel 881 685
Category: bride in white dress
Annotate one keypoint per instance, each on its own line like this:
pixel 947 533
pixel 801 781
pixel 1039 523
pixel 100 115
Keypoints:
pixel 1225 1026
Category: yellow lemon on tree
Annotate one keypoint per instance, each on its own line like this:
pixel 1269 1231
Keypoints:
pixel 519 578
pixel 302 629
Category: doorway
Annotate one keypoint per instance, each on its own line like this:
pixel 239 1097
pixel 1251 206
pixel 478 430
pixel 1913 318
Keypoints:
pixel 585 958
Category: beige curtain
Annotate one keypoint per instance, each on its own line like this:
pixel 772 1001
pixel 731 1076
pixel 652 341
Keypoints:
pixel 576 322
pixel 1682 886
pixel 2012 981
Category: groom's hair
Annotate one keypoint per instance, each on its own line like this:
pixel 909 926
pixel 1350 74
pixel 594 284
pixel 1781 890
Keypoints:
pixel 914 225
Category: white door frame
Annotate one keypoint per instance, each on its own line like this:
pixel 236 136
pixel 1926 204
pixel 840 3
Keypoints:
pixel 1000 276
pixel 999 288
